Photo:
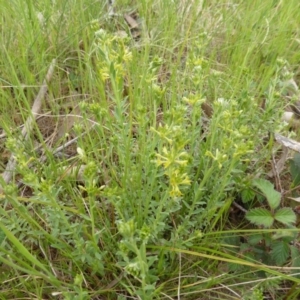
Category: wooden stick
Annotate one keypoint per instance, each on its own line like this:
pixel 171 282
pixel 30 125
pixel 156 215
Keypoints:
pixel 37 104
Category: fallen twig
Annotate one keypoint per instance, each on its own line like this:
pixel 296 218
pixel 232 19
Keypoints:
pixel 239 207
pixel 286 142
pixel 36 107
pixel 280 164
pixel 65 145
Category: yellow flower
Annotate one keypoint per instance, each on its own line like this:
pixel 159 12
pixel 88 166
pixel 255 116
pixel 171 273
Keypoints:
pixel 177 179
pixel 163 133
pixel 127 55
pixel 104 73
pixel 175 192
pixel 219 157
pixel 185 179
pixel 170 158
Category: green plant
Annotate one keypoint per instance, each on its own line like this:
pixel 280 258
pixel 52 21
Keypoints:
pixel 266 217
pixel 272 247
pixel 295 169
pixel 162 101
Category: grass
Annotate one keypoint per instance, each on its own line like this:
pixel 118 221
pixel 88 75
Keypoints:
pixel 172 127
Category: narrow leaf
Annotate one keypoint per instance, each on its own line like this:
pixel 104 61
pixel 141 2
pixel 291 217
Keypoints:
pixel 285 216
pixel 2 236
pixel 266 187
pixel 260 217
pixel 23 251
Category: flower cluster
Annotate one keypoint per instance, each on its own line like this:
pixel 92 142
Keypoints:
pixel 173 158
pixel 111 55
pixel 235 134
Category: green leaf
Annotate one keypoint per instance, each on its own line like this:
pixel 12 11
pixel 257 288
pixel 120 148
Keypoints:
pixel 295 256
pixel 2 237
pixel 260 217
pixel 285 216
pixel 286 235
pixel 295 169
pixel 247 195
pixel 280 252
pixel 267 188
pixel 21 248
pixel 255 239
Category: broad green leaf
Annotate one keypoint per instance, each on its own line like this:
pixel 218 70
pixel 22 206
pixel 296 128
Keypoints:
pixel 232 240
pixel 255 239
pixel 285 234
pixel 295 169
pixel 267 188
pixel 268 240
pixel 280 252
pixel 285 216
pixel 260 217
pixel 247 195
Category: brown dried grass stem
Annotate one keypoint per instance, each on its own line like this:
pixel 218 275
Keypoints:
pixel 36 107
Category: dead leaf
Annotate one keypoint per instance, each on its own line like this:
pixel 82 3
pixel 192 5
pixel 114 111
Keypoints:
pixel 286 142
pixel 133 24
pixel 295 199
